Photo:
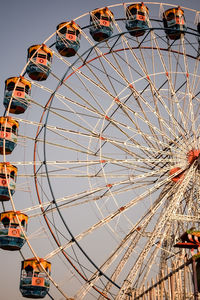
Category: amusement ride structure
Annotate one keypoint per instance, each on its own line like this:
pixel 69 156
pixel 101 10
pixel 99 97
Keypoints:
pixel 106 116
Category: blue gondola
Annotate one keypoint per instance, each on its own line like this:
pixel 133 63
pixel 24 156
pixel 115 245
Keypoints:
pixel 34 282
pixel 17 94
pixel 9 183
pixel 68 38
pixel 137 19
pixel 11 236
pixel 174 23
pixel 8 133
pixel 40 60
pixel 101 24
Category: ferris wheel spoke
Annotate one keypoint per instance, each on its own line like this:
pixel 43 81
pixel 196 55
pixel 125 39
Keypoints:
pixel 191 90
pixel 171 87
pixel 132 238
pixel 192 46
pixel 131 120
pixel 90 67
pixel 61 129
pixel 76 93
pixel 73 201
pixel 78 197
pixel 151 261
pixel 152 91
pixel 173 93
pixel 141 231
pixel 178 64
pixel 121 210
pixel 116 143
pixel 58 129
pixel 88 105
pixel 149 123
pixel 159 227
pixel 191 112
pixel 137 163
pixel 144 71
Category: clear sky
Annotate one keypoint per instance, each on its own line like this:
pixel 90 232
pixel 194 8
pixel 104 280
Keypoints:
pixel 24 23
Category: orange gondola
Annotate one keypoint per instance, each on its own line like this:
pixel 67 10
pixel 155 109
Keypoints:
pixel 17 94
pixel 101 24
pixel 11 235
pixel 137 19
pixel 68 38
pixel 7 183
pixel 174 23
pixel 8 133
pixel 40 59
pixel 34 281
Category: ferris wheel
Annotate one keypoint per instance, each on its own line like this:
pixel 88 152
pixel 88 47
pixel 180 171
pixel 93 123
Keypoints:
pixel 101 137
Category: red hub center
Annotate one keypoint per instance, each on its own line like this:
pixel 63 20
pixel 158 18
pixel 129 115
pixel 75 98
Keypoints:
pixel 193 155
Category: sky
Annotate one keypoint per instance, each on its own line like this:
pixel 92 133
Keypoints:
pixel 24 23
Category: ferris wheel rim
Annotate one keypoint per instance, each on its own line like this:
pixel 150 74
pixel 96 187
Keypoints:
pixel 66 77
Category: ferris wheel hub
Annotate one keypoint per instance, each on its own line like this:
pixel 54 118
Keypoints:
pixel 193 155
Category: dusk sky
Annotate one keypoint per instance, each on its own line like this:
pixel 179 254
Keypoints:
pixel 25 23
